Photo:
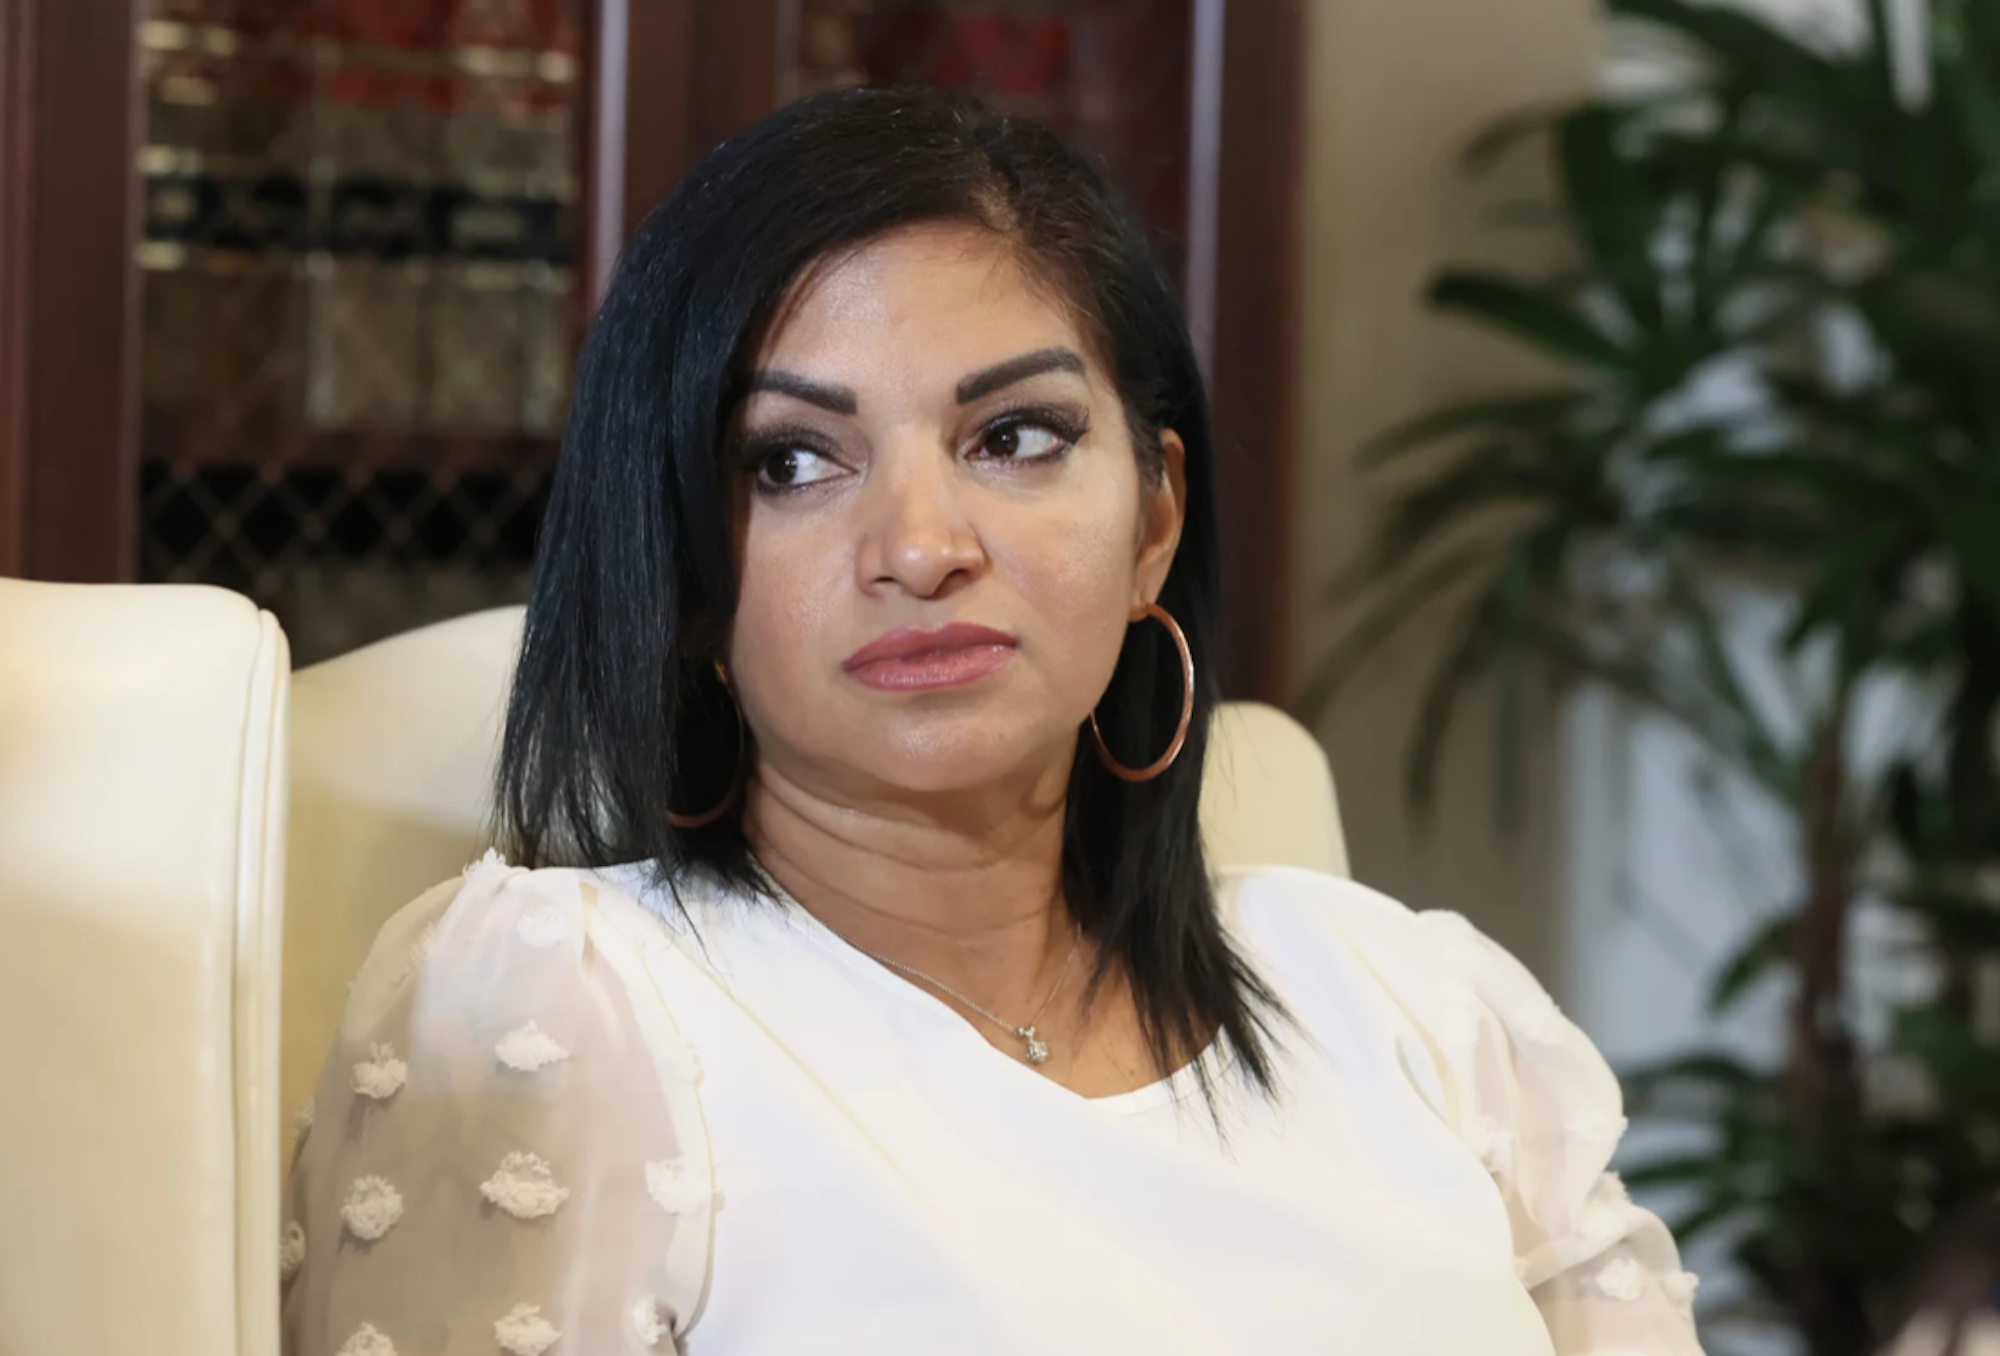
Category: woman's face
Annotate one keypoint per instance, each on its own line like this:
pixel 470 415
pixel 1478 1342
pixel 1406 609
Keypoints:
pixel 945 531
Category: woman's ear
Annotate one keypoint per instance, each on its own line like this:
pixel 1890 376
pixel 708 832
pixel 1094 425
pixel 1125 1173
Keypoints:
pixel 1163 508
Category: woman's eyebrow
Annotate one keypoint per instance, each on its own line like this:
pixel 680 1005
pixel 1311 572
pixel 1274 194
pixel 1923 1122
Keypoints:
pixel 842 400
pixel 838 399
pixel 1042 360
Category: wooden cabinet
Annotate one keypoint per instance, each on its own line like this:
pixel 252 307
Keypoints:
pixel 289 289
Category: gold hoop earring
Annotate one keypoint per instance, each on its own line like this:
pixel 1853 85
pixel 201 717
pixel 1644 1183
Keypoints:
pixel 723 806
pixel 1165 760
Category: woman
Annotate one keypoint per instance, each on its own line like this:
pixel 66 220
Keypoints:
pixel 864 988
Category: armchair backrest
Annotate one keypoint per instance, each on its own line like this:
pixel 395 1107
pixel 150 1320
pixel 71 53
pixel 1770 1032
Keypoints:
pixel 142 810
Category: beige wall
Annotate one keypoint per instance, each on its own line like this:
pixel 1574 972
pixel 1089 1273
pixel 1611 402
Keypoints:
pixel 1397 88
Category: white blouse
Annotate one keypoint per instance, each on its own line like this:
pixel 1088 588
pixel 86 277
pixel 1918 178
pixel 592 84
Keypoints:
pixel 558 1120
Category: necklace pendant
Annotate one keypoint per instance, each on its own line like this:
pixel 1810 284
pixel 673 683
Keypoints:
pixel 1037 1052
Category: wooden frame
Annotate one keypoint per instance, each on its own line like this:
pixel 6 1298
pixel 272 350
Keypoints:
pixel 69 290
pixel 655 110
pixel 17 38
pixel 636 129
pixel 1257 204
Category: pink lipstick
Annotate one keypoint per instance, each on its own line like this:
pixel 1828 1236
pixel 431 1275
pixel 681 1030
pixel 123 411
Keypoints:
pixel 913 661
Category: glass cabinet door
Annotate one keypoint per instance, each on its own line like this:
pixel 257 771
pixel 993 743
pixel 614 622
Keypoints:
pixel 358 248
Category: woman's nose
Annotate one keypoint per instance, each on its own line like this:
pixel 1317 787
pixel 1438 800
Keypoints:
pixel 917 536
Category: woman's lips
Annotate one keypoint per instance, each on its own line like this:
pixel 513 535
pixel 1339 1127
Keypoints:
pixel 949 656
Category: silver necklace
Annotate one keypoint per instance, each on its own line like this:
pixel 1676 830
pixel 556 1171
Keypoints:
pixel 1037 1049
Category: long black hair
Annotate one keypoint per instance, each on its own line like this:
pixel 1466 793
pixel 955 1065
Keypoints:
pixel 618 714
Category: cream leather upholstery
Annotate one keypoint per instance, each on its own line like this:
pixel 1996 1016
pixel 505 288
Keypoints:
pixel 142 808
pixel 392 751
pixel 1267 798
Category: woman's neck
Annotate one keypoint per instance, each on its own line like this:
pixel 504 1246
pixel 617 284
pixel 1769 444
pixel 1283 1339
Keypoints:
pixel 972 899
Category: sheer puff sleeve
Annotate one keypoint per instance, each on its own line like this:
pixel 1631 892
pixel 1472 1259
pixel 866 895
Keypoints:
pixel 1533 1098
pixel 505 1152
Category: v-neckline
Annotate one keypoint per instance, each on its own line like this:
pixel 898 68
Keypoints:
pixel 1217 1055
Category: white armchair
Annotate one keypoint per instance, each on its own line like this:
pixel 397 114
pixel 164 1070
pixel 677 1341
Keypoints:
pixel 142 817
pixel 144 801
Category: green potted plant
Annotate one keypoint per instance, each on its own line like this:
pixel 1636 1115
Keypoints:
pixel 1822 228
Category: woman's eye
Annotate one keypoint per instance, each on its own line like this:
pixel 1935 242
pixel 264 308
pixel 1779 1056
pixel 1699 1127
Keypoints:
pixel 793 468
pixel 1024 442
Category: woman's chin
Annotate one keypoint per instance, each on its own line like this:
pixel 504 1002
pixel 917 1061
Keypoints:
pixel 966 757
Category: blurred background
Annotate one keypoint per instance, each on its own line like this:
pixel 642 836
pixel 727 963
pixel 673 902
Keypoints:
pixel 1608 391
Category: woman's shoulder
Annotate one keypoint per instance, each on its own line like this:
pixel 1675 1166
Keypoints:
pixel 476 934
pixel 1310 913
pixel 491 901
pixel 1323 934
pixel 1253 895
pixel 488 908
